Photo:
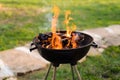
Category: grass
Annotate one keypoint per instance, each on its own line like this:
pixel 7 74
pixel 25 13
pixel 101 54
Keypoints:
pixel 104 67
pixel 21 20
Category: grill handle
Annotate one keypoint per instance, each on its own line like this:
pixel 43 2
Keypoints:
pixel 32 48
pixel 94 45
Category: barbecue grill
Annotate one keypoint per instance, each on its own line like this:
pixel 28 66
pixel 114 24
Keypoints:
pixel 65 56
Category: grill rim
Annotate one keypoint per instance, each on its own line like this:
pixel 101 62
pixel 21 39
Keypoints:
pixel 89 44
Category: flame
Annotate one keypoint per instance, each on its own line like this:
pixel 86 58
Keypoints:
pixel 70 29
pixel 66 21
pixel 56 40
pixel 56 12
pixel 73 40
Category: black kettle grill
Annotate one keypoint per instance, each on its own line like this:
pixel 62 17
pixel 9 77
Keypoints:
pixel 65 56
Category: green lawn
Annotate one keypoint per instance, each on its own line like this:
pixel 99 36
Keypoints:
pixel 104 67
pixel 21 20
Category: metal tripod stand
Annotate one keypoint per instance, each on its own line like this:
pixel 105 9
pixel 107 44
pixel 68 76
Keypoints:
pixel 73 70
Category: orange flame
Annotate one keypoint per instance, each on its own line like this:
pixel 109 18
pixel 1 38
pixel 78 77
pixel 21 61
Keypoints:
pixel 70 29
pixel 56 12
pixel 67 19
pixel 73 41
pixel 56 40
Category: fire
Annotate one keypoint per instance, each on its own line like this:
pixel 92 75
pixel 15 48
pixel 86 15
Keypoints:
pixel 73 41
pixel 67 19
pixel 56 12
pixel 56 42
pixel 69 30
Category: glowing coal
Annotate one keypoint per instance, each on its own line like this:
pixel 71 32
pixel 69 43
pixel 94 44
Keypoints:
pixel 74 41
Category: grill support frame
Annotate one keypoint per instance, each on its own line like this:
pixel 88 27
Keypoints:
pixel 74 70
pixel 64 56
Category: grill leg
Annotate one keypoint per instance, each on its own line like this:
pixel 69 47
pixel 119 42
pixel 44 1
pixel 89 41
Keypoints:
pixel 77 72
pixel 54 73
pixel 47 72
pixel 72 69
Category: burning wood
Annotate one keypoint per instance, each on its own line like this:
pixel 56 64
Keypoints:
pixel 46 40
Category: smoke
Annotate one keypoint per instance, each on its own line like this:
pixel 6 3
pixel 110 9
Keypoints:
pixel 48 20
pixel 47 23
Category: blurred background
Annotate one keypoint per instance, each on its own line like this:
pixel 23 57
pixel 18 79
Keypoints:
pixel 21 20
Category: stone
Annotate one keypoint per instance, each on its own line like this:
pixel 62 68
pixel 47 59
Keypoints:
pixel 20 62
pixel 97 38
pixel 101 35
pixel 103 32
pixel 11 78
pixel 5 71
pixel 33 53
pixel 94 52
pixel 112 40
pixel 115 28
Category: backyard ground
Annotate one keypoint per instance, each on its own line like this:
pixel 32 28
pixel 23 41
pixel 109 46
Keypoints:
pixel 104 67
pixel 21 20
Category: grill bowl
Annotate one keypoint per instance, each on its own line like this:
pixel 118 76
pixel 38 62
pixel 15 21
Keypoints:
pixel 63 56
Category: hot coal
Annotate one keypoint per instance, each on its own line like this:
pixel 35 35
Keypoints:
pixel 45 39
pixel 80 39
pixel 43 36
